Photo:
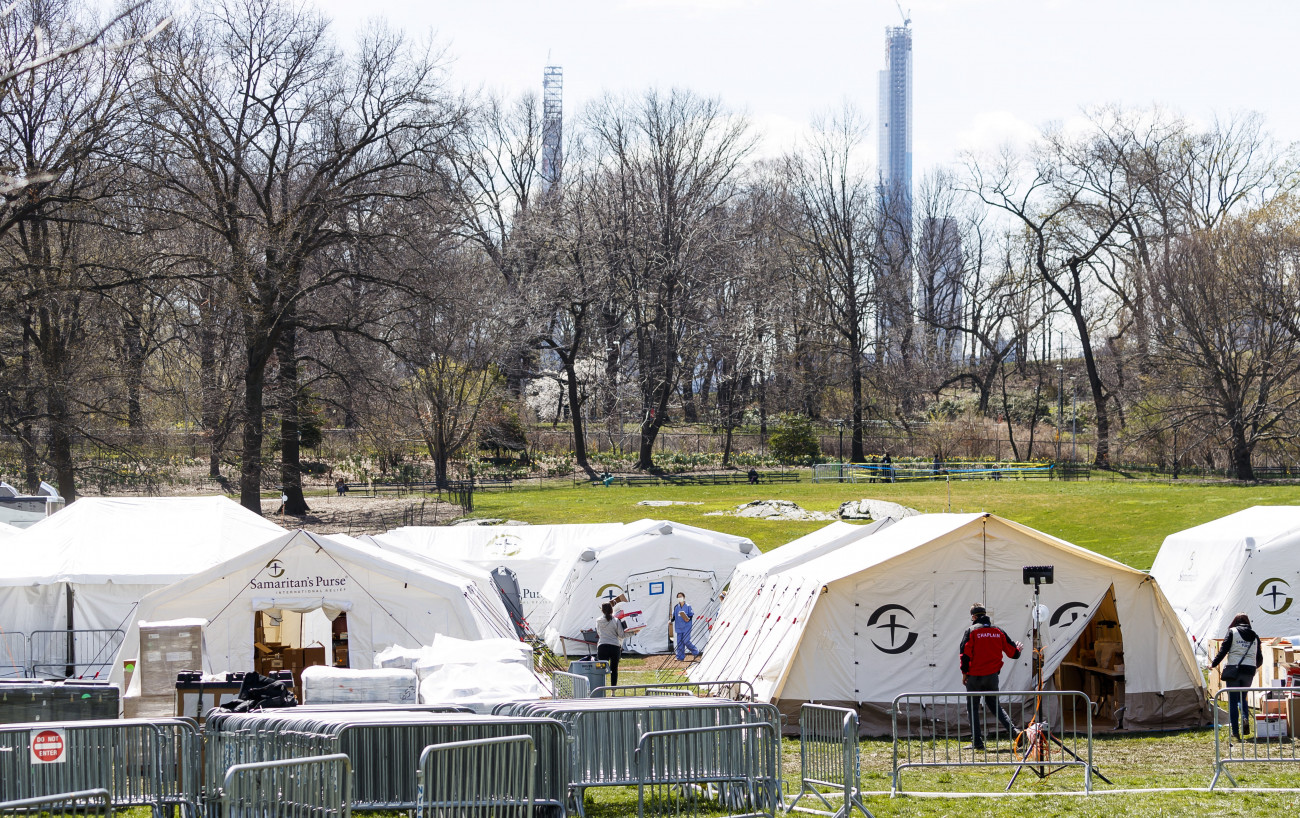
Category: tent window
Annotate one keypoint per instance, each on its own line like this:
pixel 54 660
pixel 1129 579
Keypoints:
pixel 290 640
pixel 1095 663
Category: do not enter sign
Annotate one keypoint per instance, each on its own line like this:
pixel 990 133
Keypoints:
pixel 47 746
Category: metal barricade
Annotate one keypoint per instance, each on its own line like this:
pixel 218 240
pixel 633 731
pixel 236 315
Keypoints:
pixel 384 747
pixel 80 654
pixel 736 689
pixel 1052 731
pixel 828 759
pixel 138 761
pixel 1273 745
pixel 86 802
pixel 604 733
pixel 668 691
pixel 318 787
pixel 492 778
pixel 14 663
pixel 705 769
pixel 570 685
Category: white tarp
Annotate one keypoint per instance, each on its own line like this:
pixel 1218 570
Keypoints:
pixel 7 531
pixel 111 552
pixel 1248 562
pixel 651 563
pixel 532 552
pixel 861 625
pixel 390 599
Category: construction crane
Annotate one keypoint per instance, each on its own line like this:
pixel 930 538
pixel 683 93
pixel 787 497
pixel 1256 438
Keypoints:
pixel 907 16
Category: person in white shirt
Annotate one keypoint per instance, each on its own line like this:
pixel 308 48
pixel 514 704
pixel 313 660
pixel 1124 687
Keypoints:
pixel 609 639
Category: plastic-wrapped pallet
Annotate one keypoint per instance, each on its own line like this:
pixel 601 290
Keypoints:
pixel 447 651
pixel 166 649
pixel 333 685
pixel 480 686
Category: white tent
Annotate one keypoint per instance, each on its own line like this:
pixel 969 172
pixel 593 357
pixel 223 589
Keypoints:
pixel 7 531
pixel 650 563
pixel 1245 562
pixel 860 625
pixel 744 604
pixel 389 599
pixel 108 553
pixel 531 552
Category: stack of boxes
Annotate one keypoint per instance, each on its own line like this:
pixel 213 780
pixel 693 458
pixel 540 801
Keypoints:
pixel 166 650
pixel 272 656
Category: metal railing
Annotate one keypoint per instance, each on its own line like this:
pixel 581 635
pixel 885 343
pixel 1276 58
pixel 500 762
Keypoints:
pixel 603 733
pixel 828 760
pixel 1276 745
pixel 296 788
pixel 738 690
pixel 486 778
pixel 14 663
pixel 148 763
pixel 80 654
pixel 86 802
pixel 704 769
pixel 384 746
pixel 570 685
pixel 1049 731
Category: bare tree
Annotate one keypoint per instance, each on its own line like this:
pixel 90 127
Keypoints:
pixel 275 137
pixel 669 164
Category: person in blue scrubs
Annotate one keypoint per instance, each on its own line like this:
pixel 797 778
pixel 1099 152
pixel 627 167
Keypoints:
pixel 683 616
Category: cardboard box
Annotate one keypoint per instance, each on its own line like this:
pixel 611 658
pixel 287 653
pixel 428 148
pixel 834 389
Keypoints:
pixel 149 707
pixel 166 649
pixel 1271 726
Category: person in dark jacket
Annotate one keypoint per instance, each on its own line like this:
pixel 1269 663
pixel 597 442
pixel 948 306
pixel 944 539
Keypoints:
pixel 982 647
pixel 1241 655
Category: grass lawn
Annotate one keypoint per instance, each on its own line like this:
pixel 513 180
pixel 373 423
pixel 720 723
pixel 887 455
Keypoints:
pixel 1123 519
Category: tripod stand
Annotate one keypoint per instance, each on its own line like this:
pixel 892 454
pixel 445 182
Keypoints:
pixel 1039 729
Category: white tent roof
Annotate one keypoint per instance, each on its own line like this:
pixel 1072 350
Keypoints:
pixel 152 540
pixel 7 531
pixel 1244 562
pixel 530 552
pixel 653 558
pixel 390 599
pixel 863 624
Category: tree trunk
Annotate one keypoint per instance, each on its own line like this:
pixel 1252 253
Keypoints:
pixel 1241 451
pixel 250 467
pixel 689 412
pixel 856 454
pixel 575 410
pixel 133 354
pixel 27 437
pixel 210 417
pixel 290 437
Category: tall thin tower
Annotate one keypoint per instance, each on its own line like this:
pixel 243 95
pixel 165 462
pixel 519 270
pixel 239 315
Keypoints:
pixel 552 126
pixel 896 117
pixel 894 279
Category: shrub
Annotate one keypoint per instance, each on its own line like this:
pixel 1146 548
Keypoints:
pixel 794 441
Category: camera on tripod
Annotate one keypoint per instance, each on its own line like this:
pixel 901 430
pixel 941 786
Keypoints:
pixel 1036 574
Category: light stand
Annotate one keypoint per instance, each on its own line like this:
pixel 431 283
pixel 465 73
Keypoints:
pixel 1039 575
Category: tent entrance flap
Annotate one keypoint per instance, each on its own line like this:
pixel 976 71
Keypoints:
pixel 1093 662
pixel 653 593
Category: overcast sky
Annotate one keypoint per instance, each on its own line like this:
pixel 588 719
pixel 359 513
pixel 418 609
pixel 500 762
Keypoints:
pixel 985 71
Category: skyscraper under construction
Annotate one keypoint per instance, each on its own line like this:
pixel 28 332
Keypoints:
pixel 552 126
pixel 894 279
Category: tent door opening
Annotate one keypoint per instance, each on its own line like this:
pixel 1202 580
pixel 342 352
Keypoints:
pixel 654 593
pixel 1094 664
pixel 292 640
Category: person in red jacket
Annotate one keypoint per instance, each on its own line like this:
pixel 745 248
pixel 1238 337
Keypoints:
pixel 982 647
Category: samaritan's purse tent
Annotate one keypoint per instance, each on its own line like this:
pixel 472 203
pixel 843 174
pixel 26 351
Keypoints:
pixel 650 564
pixel 390 599
pixel 862 624
pixel 1245 562
pixel 88 566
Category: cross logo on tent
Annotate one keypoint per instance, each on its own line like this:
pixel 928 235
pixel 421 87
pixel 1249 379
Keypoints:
pixel 609 593
pixel 276 568
pixel 893 626
pixel 1071 608
pixel 1273 594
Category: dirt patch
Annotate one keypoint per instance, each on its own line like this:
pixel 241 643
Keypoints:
pixel 364 515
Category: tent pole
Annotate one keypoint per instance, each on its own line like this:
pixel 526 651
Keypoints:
pixel 71 650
